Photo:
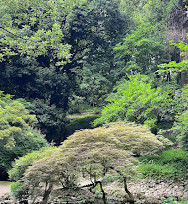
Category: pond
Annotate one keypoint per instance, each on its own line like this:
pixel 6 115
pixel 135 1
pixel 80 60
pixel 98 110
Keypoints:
pixel 4 187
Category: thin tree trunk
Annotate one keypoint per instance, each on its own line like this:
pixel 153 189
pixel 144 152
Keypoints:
pixel 47 194
pixel 184 73
pixel 102 190
pixel 184 78
pixel 131 197
pixel 103 193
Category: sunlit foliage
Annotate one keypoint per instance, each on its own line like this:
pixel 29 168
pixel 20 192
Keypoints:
pixel 135 100
pixel 17 133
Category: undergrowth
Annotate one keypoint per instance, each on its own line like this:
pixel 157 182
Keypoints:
pixel 171 164
pixel 173 200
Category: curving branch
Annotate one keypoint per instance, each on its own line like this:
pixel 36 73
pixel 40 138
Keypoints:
pixel 131 197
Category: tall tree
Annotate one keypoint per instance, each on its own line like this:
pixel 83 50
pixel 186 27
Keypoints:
pixel 45 42
pixel 95 29
pixel 146 45
pixel 34 53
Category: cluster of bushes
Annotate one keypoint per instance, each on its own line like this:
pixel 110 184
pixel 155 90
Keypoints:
pixel 170 164
pixel 18 135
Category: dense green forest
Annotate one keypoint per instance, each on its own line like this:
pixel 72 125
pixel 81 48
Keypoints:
pixel 93 90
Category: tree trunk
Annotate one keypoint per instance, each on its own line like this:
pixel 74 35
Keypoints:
pixel 131 197
pixel 47 194
pixel 184 78
pixel 103 193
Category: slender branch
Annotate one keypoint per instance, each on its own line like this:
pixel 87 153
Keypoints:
pixel 103 193
pixel 131 197
pixel 101 187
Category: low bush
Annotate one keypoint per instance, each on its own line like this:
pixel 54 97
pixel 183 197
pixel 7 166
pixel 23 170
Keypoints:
pixel 18 133
pixel 81 123
pixel 173 200
pixel 159 171
pixel 171 164
pixel 16 189
pixel 20 165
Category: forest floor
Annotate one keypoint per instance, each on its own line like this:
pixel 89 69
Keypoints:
pixel 4 187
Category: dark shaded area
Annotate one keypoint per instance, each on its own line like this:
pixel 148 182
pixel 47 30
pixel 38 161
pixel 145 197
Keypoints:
pixel 3 174
pixel 81 123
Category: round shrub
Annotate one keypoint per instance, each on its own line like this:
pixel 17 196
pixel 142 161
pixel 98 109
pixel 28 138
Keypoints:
pixel 81 123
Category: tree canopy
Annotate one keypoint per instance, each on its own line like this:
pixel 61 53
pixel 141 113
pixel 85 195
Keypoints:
pixel 45 44
pixel 87 155
pixel 137 101
pixel 17 133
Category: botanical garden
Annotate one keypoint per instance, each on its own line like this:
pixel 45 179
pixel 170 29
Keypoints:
pixel 94 101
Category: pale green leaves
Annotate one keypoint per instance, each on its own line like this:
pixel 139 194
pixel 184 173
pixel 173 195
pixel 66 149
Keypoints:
pixel 174 66
pixel 134 100
pixel 15 121
pixel 86 155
